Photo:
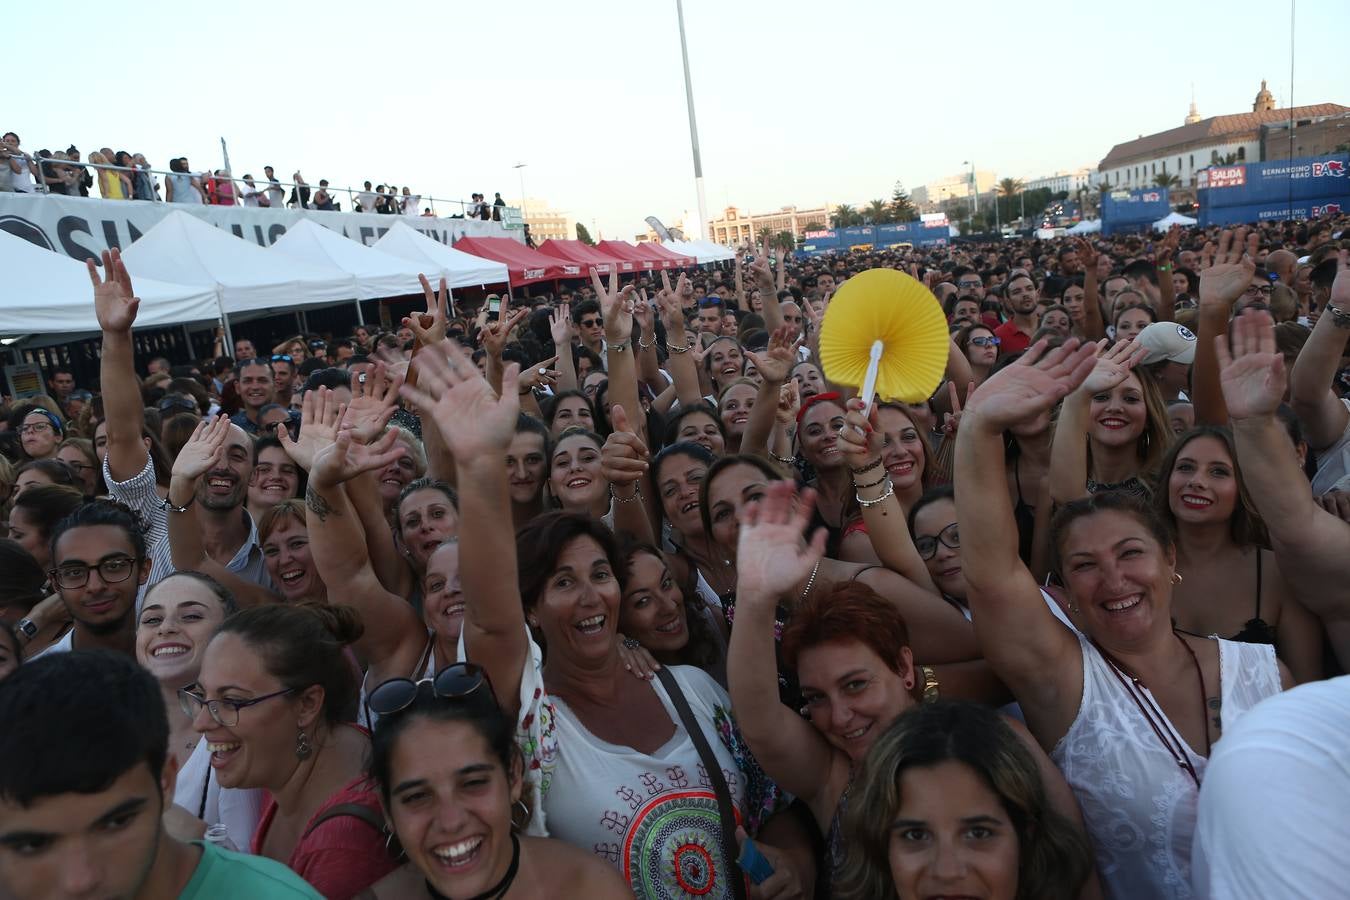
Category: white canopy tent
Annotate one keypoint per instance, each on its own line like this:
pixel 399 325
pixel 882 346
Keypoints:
pixel 701 251
pixel 43 292
pixel 245 277
pixel 1087 226
pixel 1173 218
pixel 460 269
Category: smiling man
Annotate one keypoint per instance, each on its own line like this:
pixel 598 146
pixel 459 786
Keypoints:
pixel 78 824
pixel 257 389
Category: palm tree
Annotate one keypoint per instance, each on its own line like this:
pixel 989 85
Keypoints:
pixel 878 212
pixel 1167 180
pixel 843 216
pixel 1011 187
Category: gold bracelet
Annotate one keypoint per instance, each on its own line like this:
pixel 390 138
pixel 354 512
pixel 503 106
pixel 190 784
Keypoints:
pixel 674 349
pixel 785 460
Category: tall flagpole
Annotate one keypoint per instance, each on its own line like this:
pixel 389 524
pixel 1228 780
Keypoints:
pixel 693 128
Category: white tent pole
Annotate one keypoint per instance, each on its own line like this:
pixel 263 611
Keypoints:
pixel 360 319
pixel 224 319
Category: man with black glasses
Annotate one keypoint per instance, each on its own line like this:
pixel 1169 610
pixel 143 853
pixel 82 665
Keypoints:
pixel 590 327
pixel 99 562
pixel 86 782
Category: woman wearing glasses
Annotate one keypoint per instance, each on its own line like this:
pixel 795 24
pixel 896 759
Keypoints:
pixel 452 782
pixel 40 432
pixel 615 766
pixel 980 345
pixel 276 702
pixel 78 453
pixel 180 615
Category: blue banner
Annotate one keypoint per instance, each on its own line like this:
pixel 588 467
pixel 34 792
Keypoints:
pixel 1272 212
pixel 857 234
pixel 1124 211
pixel 1275 183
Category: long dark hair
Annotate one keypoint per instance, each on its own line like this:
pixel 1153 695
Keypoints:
pixel 1245 525
pixel 540 543
pixel 1054 857
pixel 702 649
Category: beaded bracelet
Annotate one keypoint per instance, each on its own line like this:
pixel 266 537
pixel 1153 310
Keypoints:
pixel 785 460
pixel 867 468
pixel 885 495
pixel 637 495
pixel 869 484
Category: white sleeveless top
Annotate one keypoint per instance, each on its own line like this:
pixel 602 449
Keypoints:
pixel 1138 804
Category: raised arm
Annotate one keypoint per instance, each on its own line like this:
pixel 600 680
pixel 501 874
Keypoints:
pixel 495 336
pixel 768 289
pixel 1094 329
pixel 1323 415
pixel 774 366
pixel 115 305
pixel 771 558
pixel 562 331
pixel 680 363
pixel 428 330
pixel 1220 287
pixel 624 461
pixel 1167 292
pixel 616 310
pixel 1034 654
pixel 1069 451
pixel 882 513
pixel 202 453
pixel 394 636
pixel 478 426
pixel 1309 542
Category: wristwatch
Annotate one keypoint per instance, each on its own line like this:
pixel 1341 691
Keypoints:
pixel 28 628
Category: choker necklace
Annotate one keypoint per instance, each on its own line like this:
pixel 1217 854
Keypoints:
pixel 497 890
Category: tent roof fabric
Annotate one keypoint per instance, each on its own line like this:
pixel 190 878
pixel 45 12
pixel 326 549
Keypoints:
pixel 458 268
pixel 702 251
pixel 633 259
pixel 678 260
pixel 184 249
pixel 378 274
pixel 1173 218
pixel 527 265
pixel 579 252
pixel 1087 226
pixel 44 292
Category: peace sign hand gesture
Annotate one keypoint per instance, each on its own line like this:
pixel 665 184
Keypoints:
pixel 115 302
pixel 429 327
pixel 616 307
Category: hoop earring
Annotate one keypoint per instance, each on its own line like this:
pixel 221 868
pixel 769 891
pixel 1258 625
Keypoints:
pixel 1176 578
pixel 520 816
pixel 303 748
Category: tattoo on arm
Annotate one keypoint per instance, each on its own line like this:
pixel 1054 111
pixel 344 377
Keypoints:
pixel 316 504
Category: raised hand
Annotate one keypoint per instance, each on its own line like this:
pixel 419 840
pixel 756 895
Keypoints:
pixel 616 307
pixel 1252 375
pixel 115 301
pixel 541 374
pixel 374 400
pixel 1223 283
pixel 859 440
pixel 204 449
pixel 1340 288
pixel 1087 254
pixel 429 327
pixel 951 421
pixel 772 558
pixel 320 413
pixel 1029 387
pixel 789 402
pixel 1168 247
pixel 642 311
pixel 344 459
pixel 1113 366
pixel 495 335
pixel 560 325
pixel 777 360
pixel 672 312
pixel 623 458
pixel 476 423
pixel 763 272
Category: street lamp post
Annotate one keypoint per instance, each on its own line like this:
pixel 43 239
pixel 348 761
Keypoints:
pixel 974 193
pixel 693 127
pixel 520 170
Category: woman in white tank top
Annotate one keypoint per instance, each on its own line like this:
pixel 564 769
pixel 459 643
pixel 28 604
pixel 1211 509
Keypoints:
pixel 1128 708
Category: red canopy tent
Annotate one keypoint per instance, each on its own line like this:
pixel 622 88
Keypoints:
pixel 630 258
pixel 679 260
pixel 527 266
pixel 578 253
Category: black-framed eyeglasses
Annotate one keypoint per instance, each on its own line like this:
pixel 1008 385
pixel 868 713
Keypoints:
pixel 282 357
pixel 927 544
pixel 78 467
pixel 36 428
pixel 225 711
pixel 970 284
pixel 462 682
pixel 113 570
pixel 1263 289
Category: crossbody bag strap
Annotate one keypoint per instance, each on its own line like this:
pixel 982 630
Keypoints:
pixel 355 810
pixel 714 767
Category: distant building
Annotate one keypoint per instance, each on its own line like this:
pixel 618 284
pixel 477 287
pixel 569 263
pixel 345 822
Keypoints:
pixel 546 223
pixel 930 197
pixel 1061 182
pixel 1310 137
pixel 735 227
pixel 1199 143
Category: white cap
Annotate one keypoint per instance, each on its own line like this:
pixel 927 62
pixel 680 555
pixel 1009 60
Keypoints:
pixel 1167 341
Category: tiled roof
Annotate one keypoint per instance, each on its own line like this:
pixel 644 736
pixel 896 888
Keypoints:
pixel 1212 129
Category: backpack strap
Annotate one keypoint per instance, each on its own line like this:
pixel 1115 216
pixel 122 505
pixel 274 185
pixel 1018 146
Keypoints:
pixel 355 810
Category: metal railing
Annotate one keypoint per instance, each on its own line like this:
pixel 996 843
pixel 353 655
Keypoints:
pixel 509 216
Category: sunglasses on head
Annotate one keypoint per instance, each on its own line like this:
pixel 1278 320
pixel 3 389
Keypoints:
pixel 460 682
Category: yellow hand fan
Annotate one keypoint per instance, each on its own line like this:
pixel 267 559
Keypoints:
pixel 885 333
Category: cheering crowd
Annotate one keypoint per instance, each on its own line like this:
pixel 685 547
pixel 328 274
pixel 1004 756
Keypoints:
pixel 613 593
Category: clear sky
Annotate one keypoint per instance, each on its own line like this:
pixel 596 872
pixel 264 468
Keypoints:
pixel 798 102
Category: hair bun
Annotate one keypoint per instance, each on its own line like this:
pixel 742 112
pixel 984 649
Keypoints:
pixel 342 622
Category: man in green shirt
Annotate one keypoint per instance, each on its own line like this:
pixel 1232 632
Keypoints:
pixel 84 780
